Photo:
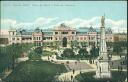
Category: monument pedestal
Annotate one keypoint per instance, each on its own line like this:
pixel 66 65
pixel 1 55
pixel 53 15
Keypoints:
pixel 103 70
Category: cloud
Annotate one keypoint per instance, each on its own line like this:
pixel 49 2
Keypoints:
pixel 39 22
pixel 78 22
pixel 116 26
pixel 43 22
pixel 6 23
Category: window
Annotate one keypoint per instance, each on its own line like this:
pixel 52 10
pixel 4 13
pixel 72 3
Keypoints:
pixel 89 38
pixel 13 38
pixel 44 38
pixel 56 38
pixel 84 38
pixel 17 38
pixel 39 44
pixel 23 38
pixel 56 32
pixel 39 38
pixel 34 38
pixel 81 38
pixel 73 32
pixel 13 33
pixel 64 33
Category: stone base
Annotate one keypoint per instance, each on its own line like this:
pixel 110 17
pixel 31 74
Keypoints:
pixel 103 70
pixel 103 75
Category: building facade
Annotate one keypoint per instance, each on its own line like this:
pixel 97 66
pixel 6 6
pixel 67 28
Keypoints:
pixel 62 35
pixel 23 36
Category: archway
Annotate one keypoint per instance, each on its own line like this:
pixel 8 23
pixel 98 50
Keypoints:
pixel 64 42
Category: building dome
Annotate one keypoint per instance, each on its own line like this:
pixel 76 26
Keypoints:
pixel 63 26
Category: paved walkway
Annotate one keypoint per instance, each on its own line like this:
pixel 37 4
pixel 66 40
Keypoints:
pixel 67 76
pixel 81 66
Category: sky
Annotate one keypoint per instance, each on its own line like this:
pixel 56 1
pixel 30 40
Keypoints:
pixel 49 14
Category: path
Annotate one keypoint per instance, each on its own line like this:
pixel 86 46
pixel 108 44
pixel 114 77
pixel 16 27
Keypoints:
pixel 81 66
pixel 67 76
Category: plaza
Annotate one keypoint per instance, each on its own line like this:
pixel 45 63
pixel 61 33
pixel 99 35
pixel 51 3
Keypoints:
pixel 66 41
pixel 72 64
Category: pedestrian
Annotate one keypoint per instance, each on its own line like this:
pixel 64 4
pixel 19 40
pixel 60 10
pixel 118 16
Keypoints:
pixel 118 68
pixel 73 71
pixel 80 72
pixel 125 57
pixel 120 56
pixel 123 62
pixel 93 61
pixel 48 57
pixel 120 63
pixel 76 62
pixel 121 68
pixel 71 77
pixel 112 63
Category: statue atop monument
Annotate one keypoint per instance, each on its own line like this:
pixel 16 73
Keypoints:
pixel 103 21
pixel 103 67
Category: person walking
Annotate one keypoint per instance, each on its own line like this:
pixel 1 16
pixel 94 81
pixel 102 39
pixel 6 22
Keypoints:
pixel 73 71
pixel 71 77
pixel 112 63
pixel 118 68
pixel 121 68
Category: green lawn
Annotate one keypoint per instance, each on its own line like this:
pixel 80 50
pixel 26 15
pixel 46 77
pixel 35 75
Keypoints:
pixel 89 77
pixel 35 71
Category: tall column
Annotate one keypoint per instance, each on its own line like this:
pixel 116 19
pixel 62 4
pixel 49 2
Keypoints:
pixel 103 68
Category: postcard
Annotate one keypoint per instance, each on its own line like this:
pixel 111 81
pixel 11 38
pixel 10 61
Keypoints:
pixel 63 41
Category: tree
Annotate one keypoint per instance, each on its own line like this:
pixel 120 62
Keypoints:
pixel 38 50
pixel 68 53
pixel 94 52
pixel 34 56
pixel 83 52
pixel 117 48
pixel 10 53
pixel 5 59
pixel 72 44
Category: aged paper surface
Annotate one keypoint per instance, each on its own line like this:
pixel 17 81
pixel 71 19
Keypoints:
pixel 74 41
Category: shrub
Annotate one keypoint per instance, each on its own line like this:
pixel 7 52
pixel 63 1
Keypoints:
pixel 68 53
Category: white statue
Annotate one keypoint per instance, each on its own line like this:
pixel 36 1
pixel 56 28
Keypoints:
pixel 103 20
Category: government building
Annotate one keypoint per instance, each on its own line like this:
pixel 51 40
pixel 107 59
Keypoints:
pixel 62 35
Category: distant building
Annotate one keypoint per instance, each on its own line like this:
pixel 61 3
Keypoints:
pixel 62 35
pixel 120 37
pixel 23 36
pixel 3 37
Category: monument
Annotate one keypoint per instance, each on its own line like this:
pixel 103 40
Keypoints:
pixel 103 68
